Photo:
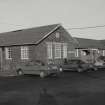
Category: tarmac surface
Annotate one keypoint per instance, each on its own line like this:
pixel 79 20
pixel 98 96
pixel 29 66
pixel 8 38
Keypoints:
pixel 70 88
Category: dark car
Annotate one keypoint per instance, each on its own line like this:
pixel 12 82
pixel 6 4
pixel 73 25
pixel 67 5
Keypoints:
pixel 99 65
pixel 38 68
pixel 77 65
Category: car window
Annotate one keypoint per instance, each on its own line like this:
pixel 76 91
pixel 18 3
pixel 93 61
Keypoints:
pixel 75 62
pixel 81 62
pixel 72 62
pixel 38 62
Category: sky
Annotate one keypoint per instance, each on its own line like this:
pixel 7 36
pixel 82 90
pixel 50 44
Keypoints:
pixel 20 14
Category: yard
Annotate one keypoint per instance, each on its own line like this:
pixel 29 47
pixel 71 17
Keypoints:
pixel 71 88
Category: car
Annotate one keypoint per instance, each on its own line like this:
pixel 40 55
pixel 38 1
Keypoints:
pixel 100 65
pixel 77 65
pixel 38 68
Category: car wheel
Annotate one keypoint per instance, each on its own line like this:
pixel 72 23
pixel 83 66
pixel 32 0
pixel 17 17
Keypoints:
pixel 19 72
pixel 56 74
pixel 42 74
pixel 79 70
pixel 95 69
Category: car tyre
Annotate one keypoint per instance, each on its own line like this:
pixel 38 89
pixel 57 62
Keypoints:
pixel 95 69
pixel 56 74
pixel 42 74
pixel 79 70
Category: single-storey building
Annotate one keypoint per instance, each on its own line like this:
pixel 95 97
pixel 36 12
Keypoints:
pixel 51 43
pixel 89 49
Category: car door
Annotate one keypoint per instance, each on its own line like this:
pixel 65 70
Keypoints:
pixel 32 68
pixel 74 65
pixel 70 65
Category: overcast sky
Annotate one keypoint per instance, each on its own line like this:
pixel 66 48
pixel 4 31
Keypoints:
pixel 17 14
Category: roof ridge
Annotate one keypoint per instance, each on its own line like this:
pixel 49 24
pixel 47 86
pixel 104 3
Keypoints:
pixel 49 33
pixel 23 29
pixel 29 36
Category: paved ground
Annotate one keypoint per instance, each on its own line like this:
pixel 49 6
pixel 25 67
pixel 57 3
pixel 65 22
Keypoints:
pixel 71 88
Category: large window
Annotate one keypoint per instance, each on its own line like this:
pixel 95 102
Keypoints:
pixel 103 52
pixel 8 53
pixel 77 53
pixel 57 50
pixel 49 50
pixel 24 52
pixel 64 50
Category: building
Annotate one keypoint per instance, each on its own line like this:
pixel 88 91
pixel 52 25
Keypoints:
pixel 89 49
pixel 51 43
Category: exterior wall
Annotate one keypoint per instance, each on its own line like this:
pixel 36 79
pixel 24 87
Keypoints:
pixel 37 52
pixel 63 38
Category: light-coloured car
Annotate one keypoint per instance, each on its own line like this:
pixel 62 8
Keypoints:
pixel 38 68
pixel 100 65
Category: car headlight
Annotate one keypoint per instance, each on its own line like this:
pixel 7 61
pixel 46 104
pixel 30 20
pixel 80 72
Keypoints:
pixel 60 69
pixel 48 68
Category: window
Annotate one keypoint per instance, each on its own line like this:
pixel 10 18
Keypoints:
pixel 64 50
pixel 24 52
pixel 49 50
pixel 103 52
pixel 98 51
pixel 76 53
pixel 57 50
pixel 57 34
pixel 83 53
pixel 8 53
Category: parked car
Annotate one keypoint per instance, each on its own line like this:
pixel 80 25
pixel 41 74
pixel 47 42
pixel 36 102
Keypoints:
pixel 101 58
pixel 100 65
pixel 38 68
pixel 77 65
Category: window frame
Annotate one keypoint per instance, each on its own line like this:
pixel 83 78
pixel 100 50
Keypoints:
pixel 57 49
pixel 103 52
pixel 8 53
pixel 77 53
pixel 24 52
pixel 49 50
pixel 65 47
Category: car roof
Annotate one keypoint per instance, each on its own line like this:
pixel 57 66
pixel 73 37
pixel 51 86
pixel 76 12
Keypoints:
pixel 75 60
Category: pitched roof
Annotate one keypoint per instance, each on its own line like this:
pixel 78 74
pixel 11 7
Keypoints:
pixel 102 42
pixel 89 43
pixel 27 36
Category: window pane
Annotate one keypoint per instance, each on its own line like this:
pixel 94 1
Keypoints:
pixel 76 53
pixel 24 52
pixel 49 50
pixel 8 52
pixel 57 50
pixel 64 50
pixel 103 52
